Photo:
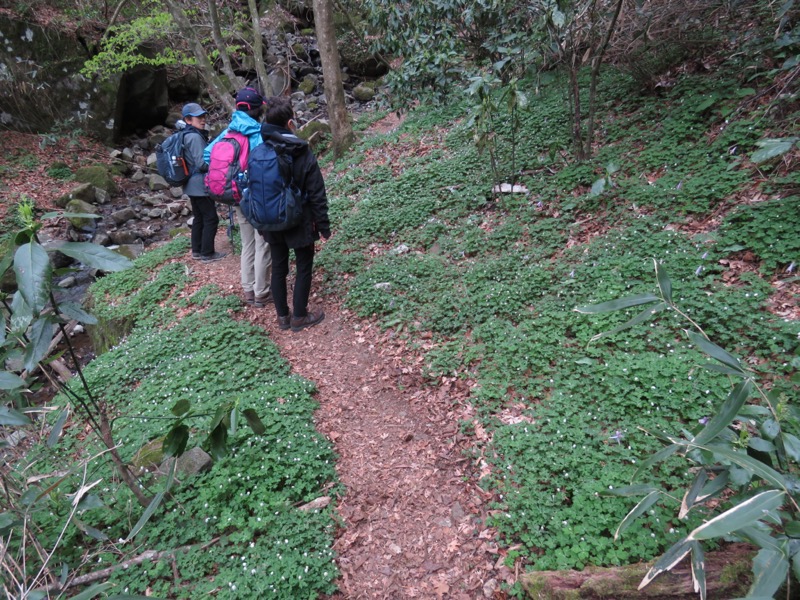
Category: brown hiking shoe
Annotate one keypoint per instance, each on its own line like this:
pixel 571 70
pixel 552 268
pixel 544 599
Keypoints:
pixel 284 322
pixel 249 297
pixel 311 319
pixel 263 301
pixel 213 257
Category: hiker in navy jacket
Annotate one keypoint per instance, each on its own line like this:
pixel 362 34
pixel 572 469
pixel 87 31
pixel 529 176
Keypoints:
pixel 307 177
pixel 205 219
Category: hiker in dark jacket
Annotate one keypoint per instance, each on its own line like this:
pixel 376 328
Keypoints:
pixel 307 177
pixel 204 212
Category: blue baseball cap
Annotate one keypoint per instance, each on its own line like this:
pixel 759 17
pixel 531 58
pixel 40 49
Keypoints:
pixel 193 110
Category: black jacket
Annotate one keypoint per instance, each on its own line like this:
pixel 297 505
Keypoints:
pixel 308 179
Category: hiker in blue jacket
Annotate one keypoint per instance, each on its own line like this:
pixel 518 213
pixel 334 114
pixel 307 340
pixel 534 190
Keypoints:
pixel 255 264
pixel 307 177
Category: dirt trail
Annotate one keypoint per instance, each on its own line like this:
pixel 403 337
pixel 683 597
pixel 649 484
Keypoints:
pixel 413 519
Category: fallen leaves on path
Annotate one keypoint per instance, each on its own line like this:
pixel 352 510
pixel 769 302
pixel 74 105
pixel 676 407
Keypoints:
pixel 414 520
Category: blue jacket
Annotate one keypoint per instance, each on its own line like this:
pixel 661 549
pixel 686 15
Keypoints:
pixel 243 123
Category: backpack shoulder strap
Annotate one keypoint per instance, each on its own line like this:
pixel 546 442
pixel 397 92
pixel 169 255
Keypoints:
pixel 285 161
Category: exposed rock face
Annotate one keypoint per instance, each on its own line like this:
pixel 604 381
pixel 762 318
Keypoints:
pixel 41 85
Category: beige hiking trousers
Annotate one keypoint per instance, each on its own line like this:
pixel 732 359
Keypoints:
pixel 256 262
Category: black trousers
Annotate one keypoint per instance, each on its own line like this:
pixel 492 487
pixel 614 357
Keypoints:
pixel 304 258
pixel 204 225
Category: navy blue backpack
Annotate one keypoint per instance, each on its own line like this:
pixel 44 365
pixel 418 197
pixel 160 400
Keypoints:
pixel 170 162
pixel 272 201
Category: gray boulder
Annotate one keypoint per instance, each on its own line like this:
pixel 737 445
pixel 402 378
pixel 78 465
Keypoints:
pixel 157 183
pixel 123 215
pixel 123 237
pixel 101 196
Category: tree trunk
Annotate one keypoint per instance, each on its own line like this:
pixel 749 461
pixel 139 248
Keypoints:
pixel 596 62
pixel 575 97
pixel 124 471
pixel 216 86
pixel 258 49
pixel 728 575
pixel 219 42
pixel 341 129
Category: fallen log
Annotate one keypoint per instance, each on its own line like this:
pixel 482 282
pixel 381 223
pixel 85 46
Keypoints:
pixel 728 575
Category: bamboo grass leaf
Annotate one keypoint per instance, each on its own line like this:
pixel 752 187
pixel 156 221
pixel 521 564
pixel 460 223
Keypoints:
pixel 690 497
pixel 10 381
pixel 726 414
pixel 638 319
pixel 664 282
pixel 662 454
pixel 154 504
pixel 715 352
pixel 770 568
pixel 699 570
pixel 10 416
pixel 55 433
pixel 637 511
pixel 620 303
pixel 668 560
pixel 756 467
pixel 741 515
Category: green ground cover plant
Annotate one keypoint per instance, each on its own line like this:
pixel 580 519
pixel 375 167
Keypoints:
pixel 496 278
pixel 235 529
pixel 743 456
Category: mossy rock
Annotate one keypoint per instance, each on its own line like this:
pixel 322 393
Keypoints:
pixel 119 169
pixel 308 85
pixel 363 93
pixel 300 51
pixel 84 191
pixel 309 31
pixel 149 456
pixel 175 232
pixel 81 206
pixel 107 333
pixel 98 176
pixel 59 170
pixel 130 251
pixel 314 127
